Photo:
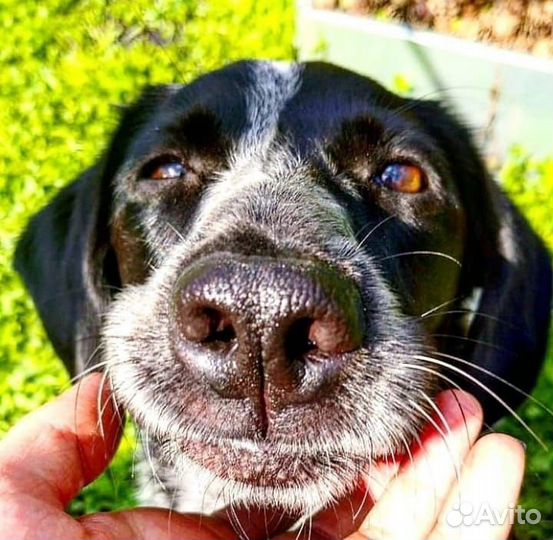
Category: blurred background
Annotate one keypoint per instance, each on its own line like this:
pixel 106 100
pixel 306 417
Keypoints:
pixel 67 67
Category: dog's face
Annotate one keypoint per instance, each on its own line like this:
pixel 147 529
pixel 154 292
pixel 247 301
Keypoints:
pixel 294 247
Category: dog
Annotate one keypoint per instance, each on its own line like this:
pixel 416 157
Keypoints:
pixel 278 266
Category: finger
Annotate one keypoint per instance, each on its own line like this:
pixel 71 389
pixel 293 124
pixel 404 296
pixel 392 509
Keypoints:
pixel 380 474
pixel 55 451
pixel 346 515
pixel 411 503
pixel 256 522
pixel 155 523
pixel 337 521
pixel 163 525
pixel 480 506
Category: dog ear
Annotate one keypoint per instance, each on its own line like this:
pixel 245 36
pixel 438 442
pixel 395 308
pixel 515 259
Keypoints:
pixel 60 257
pixel 506 269
pixel 509 329
pixel 65 256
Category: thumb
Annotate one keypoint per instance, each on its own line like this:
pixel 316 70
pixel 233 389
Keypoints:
pixel 57 450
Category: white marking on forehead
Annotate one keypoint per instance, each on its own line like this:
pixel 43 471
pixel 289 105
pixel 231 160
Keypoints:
pixel 275 83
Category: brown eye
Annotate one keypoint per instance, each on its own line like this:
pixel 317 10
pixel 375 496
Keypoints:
pixel 403 178
pixel 164 168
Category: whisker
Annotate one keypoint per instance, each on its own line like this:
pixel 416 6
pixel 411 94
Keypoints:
pixel 437 308
pixel 412 459
pixel 147 339
pixel 463 416
pixel 135 451
pixel 235 521
pixel 300 530
pixel 72 292
pixel 92 369
pixel 423 252
pixel 462 411
pixel 87 371
pixel 440 431
pixel 498 378
pixel 363 501
pixel 205 493
pixel 476 314
pixel 366 494
pixel 310 533
pixel 407 449
pixel 435 425
pixel 101 407
pixel 265 522
pixel 116 407
pixel 79 445
pixel 171 511
pixel 149 457
pixel 444 421
pixel 375 227
pixel 449 380
pixel 438 92
pixel 93 354
pixel 427 461
pixel 351 509
pixel 471 340
pixel 178 233
pixel 220 496
pixel 490 392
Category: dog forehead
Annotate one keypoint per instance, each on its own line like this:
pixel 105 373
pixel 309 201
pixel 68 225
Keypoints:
pixel 245 98
pixel 252 101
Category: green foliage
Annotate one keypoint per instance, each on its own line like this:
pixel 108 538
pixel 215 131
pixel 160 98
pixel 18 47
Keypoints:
pixel 529 182
pixel 66 67
pixel 402 85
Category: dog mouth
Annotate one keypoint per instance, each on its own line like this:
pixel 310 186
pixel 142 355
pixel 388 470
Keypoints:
pixel 261 465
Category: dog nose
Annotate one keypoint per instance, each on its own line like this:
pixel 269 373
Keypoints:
pixel 275 331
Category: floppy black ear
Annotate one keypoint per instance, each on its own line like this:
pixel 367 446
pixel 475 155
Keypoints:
pixel 65 256
pixel 510 330
pixel 506 268
pixel 61 257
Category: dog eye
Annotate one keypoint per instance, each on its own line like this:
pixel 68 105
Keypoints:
pixel 164 168
pixel 402 177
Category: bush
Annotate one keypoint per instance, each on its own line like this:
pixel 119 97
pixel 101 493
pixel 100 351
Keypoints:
pixel 67 67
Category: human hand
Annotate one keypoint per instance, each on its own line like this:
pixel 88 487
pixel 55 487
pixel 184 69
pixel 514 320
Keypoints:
pixel 53 453
pixel 419 495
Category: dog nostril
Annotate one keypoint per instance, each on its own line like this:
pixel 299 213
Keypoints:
pixel 307 335
pixel 269 331
pixel 326 336
pixel 330 337
pixel 207 325
pixel 298 342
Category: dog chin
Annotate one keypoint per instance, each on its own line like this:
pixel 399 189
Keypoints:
pixel 258 477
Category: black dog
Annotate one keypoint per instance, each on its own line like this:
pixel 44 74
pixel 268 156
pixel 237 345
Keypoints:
pixel 278 267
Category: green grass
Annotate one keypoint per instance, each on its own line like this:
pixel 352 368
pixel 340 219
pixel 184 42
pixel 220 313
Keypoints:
pixel 66 66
